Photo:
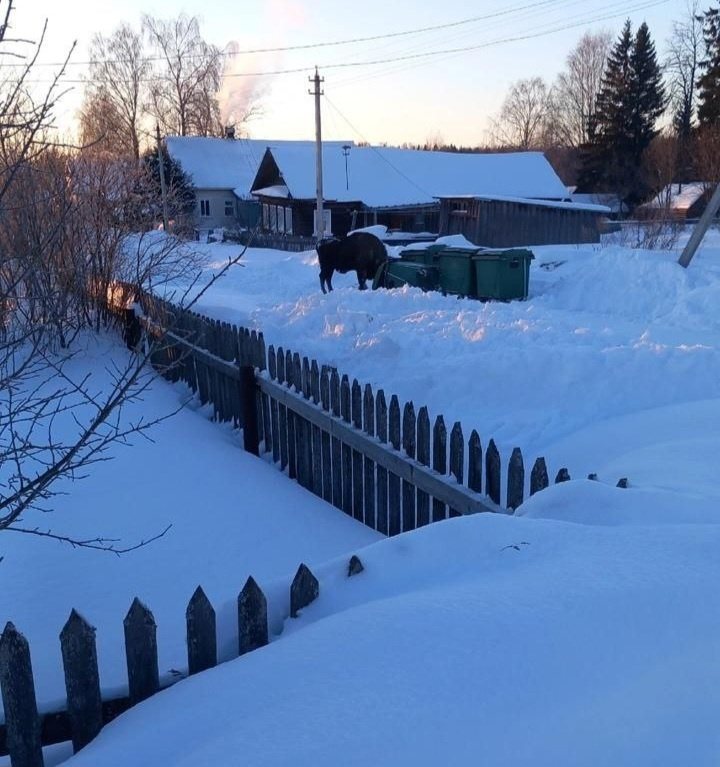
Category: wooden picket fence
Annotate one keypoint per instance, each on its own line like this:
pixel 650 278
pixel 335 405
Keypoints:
pixel 25 731
pixel 380 462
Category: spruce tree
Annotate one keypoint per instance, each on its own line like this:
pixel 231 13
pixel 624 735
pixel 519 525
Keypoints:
pixel 630 101
pixel 709 82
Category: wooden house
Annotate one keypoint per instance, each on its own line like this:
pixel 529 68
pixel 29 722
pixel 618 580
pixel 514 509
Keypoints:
pixel 678 202
pixel 399 188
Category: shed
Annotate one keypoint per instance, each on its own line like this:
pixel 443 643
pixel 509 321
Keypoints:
pixel 501 222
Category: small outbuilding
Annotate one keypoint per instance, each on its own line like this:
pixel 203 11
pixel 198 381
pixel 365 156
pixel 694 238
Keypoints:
pixel 678 202
pixel 502 222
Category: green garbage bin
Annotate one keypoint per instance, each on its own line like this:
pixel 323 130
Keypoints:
pixel 399 273
pixel 502 275
pixel 457 274
pixel 428 255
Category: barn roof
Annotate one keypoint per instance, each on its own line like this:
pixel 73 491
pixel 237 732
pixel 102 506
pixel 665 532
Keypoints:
pixel 388 177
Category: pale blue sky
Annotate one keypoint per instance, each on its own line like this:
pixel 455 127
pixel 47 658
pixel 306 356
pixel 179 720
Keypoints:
pixel 450 95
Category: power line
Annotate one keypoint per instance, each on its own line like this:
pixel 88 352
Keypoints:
pixel 423 55
pixel 332 43
pixel 376 150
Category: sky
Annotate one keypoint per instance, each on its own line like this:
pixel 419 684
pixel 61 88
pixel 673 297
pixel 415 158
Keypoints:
pixel 450 96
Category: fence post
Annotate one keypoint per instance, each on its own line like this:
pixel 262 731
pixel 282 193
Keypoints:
pixel 381 426
pixel 423 456
pixel 357 459
pixel 303 591
pixel 252 618
pixel 439 511
pixel 368 464
pixel 251 437
pixel 515 480
pixel 393 480
pixel 82 680
pixel 539 476
pixel 409 426
pixel 201 633
pixel 492 472
pixel 457 458
pixel 22 722
pixel 141 652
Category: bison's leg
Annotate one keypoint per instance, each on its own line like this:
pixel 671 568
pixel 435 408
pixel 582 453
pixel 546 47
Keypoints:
pixel 362 279
pixel 322 284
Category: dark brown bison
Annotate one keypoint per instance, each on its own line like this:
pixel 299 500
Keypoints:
pixel 361 251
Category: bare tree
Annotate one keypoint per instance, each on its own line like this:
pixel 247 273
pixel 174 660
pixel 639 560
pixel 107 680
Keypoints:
pixel 72 226
pixel 185 85
pixel 100 125
pixel 522 121
pixel 576 88
pixel 117 82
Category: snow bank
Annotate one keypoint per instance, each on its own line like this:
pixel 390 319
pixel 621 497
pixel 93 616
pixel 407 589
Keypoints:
pixel 485 640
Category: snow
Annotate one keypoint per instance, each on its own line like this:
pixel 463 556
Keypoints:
pixel 560 204
pixel 581 631
pixel 229 520
pixel 221 163
pixel 387 176
pixel 483 640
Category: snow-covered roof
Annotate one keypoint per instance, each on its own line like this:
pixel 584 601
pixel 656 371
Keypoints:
pixel 564 204
pixel 221 163
pixel 387 177
pixel 679 196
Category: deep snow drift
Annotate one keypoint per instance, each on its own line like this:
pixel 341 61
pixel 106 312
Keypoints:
pixel 582 631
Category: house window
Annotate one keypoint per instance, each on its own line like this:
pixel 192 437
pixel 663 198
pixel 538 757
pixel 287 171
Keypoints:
pixel 281 219
pixel 229 208
pixel 205 208
pixel 273 218
pixel 288 220
pixel 266 216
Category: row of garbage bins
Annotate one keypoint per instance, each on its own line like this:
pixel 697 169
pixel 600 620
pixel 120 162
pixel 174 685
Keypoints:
pixel 501 275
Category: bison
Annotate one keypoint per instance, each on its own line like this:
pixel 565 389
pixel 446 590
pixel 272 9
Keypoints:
pixel 360 251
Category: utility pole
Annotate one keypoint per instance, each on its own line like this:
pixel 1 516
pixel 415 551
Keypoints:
pixel 163 188
pixel 700 228
pixel 319 215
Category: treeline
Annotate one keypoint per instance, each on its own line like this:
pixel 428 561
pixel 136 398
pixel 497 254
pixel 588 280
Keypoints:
pixel 619 118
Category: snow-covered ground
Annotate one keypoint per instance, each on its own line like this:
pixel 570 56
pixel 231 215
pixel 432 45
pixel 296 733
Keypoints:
pixel 582 631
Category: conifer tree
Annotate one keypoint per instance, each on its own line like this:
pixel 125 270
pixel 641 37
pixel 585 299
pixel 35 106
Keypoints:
pixel 709 82
pixel 630 101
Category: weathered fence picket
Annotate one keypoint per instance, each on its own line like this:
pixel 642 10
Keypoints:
pixel 368 463
pixel 201 633
pixel 408 489
pixel 423 457
pixel 492 472
pixel 439 464
pixel 381 426
pixel 346 450
pixel 22 723
pixel 327 477
pixel 82 680
pixel 457 459
pixel 394 519
pixel 252 618
pixel 357 458
pixel 141 652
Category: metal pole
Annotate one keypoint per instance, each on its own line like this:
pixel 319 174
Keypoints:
pixel 700 228
pixel 163 188
pixel 319 216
